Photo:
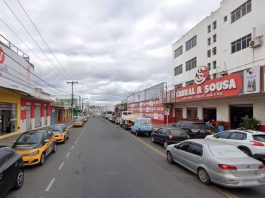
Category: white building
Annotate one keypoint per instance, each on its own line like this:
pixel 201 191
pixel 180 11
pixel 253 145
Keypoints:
pixel 228 41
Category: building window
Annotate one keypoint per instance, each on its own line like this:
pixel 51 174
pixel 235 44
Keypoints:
pixel 209 41
pixel 225 18
pixel 192 113
pixel 209 53
pixel 178 51
pixel 191 43
pixel 214 51
pixel 178 86
pixel 209 28
pixel 178 70
pixel 214 38
pixel 241 11
pixel 191 82
pixel 209 66
pixel 214 64
pixel 191 64
pixel 214 25
pixel 240 44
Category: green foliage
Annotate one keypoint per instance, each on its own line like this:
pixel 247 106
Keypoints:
pixel 249 123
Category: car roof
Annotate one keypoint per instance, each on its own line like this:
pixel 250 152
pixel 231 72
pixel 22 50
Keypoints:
pixel 254 132
pixel 207 142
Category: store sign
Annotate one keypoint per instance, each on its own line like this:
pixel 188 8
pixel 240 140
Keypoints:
pixel 252 80
pixel 2 56
pixel 226 86
pixel 15 72
pixel 201 75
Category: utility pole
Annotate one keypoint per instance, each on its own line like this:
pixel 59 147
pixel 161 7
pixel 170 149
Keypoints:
pixel 72 101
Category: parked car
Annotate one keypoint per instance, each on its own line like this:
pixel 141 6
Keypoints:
pixel 142 126
pixel 117 120
pixel 194 129
pixel 11 170
pixel 166 136
pixel 250 142
pixel 78 121
pixel 85 118
pixel 35 146
pixel 217 162
pixel 61 132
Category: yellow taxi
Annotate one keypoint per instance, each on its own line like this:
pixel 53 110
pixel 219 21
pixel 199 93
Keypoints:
pixel 78 121
pixel 61 132
pixel 35 146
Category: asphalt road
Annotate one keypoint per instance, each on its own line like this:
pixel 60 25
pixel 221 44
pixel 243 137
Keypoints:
pixel 101 160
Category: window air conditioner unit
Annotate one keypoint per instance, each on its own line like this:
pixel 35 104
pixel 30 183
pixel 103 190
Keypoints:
pixel 256 42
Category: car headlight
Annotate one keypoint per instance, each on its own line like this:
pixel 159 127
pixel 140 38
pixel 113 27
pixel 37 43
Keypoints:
pixel 34 153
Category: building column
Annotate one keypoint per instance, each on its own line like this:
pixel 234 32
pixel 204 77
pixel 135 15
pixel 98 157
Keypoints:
pixel 200 113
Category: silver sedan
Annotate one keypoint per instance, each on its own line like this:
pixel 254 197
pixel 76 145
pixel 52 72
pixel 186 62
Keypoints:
pixel 218 163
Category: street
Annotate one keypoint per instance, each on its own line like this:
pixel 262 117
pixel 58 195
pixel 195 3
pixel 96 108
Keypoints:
pixel 103 160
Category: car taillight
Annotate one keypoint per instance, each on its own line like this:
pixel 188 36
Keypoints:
pixel 256 143
pixel 170 136
pixel 227 167
pixel 261 167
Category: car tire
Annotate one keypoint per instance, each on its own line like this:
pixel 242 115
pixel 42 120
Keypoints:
pixel 165 144
pixel 203 176
pixel 42 159
pixel 19 180
pixel 246 151
pixel 55 148
pixel 152 139
pixel 169 157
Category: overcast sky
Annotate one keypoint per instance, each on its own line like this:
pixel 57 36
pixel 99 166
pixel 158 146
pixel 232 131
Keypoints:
pixel 111 47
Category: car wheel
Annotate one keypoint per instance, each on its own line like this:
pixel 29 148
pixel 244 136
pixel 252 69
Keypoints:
pixel 42 158
pixel 20 179
pixel 55 148
pixel 169 157
pixel 203 176
pixel 153 140
pixel 246 151
pixel 165 144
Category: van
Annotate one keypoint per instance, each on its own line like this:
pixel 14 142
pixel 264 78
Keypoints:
pixel 142 126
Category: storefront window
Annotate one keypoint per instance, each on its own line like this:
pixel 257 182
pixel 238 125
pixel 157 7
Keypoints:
pixel 192 113
pixel 8 117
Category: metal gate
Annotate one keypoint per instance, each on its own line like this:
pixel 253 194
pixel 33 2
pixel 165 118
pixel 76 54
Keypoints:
pixel 45 115
pixel 28 121
pixel 37 115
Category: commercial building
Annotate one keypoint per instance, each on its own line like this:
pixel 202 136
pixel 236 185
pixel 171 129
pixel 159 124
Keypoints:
pixel 218 66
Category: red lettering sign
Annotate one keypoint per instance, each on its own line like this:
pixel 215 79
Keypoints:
pixel 226 86
pixel 2 55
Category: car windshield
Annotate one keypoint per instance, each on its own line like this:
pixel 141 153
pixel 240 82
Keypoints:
pixel 30 138
pixel 226 151
pixel 260 137
pixel 200 126
pixel 77 119
pixel 145 122
pixel 57 128
pixel 178 132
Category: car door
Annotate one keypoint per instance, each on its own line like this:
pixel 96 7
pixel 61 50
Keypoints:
pixel 7 172
pixel 222 137
pixel 47 145
pixel 179 152
pixel 237 138
pixel 156 135
pixel 194 156
pixel 162 135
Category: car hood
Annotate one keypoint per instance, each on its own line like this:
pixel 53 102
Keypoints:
pixel 26 146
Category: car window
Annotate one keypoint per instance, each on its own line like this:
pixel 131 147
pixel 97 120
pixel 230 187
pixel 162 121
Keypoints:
pixel 159 130
pixel 29 138
pixel 196 149
pixel 178 132
pixel 223 135
pixel 238 136
pixel 260 138
pixel 184 146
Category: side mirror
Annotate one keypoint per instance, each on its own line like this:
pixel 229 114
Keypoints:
pixel 176 146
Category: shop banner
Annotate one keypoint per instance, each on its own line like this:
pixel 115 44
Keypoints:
pixel 226 86
pixel 15 72
pixel 252 80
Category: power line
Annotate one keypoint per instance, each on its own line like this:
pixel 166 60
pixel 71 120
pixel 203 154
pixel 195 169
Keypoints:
pixel 40 35
pixel 35 74
pixel 29 34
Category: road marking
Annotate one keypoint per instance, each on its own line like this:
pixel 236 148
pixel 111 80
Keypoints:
pixel 67 155
pixel 219 189
pixel 76 142
pixel 61 166
pixel 50 185
pixel 72 147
